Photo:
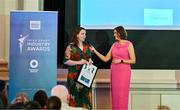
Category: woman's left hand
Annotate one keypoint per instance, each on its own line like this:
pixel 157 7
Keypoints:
pixel 90 61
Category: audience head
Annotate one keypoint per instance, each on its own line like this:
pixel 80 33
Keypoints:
pixel 41 97
pixel 54 103
pixel 21 98
pixel 61 92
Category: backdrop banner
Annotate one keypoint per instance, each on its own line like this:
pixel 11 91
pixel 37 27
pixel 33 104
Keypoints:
pixel 33 52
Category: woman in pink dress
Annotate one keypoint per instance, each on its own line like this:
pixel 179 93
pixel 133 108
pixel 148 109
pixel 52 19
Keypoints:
pixel 122 54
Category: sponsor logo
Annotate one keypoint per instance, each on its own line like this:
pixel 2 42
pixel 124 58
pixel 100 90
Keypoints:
pixel 35 25
pixel 33 66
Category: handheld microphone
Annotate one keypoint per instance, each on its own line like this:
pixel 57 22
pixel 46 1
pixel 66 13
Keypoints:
pixel 88 43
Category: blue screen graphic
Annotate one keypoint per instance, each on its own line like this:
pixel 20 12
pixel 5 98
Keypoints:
pixel 132 14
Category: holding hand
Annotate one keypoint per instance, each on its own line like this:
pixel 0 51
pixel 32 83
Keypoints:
pixel 90 62
pixel 83 61
pixel 92 48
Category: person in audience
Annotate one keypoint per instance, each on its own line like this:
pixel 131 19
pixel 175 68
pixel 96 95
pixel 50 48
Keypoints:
pixel 54 103
pixel 122 55
pixel 20 98
pixel 41 97
pixel 62 92
pixel 32 105
pixel 78 53
pixel 17 106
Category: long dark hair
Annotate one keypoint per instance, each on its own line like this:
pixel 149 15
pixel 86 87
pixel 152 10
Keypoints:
pixel 121 31
pixel 75 33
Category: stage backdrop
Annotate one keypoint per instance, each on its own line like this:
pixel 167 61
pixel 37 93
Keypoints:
pixel 33 52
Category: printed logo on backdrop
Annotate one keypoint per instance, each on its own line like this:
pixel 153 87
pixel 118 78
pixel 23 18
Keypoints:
pixel 33 66
pixel 30 45
pixel 21 42
pixel 35 25
pixel 41 45
pixel 33 49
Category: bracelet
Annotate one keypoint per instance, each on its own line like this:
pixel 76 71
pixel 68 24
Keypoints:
pixel 122 61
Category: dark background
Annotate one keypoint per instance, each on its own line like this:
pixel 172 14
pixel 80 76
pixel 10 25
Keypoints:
pixel 155 49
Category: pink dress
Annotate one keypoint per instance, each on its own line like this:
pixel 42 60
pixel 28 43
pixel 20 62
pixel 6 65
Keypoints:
pixel 120 77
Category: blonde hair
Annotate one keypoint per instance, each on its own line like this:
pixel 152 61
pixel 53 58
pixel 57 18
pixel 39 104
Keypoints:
pixel 21 97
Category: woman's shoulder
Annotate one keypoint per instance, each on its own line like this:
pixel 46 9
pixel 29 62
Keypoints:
pixel 70 45
pixel 125 43
pixel 128 42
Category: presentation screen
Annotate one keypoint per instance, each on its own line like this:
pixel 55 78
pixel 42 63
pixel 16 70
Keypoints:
pixel 132 14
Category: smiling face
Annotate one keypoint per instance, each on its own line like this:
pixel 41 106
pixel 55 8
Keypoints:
pixel 116 35
pixel 81 36
pixel 120 33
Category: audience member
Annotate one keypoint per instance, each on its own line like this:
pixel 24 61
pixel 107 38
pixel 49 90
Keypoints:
pixel 62 92
pixel 16 106
pixel 20 98
pixel 32 105
pixel 41 97
pixel 53 103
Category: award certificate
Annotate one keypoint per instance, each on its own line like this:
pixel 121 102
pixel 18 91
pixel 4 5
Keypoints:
pixel 87 75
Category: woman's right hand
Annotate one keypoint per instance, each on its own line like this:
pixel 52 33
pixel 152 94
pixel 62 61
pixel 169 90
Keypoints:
pixel 92 48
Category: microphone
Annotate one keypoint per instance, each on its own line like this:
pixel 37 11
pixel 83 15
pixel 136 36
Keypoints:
pixel 90 46
pixel 88 43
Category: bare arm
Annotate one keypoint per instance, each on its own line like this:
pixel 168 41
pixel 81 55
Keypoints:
pixel 72 62
pixel 80 62
pixel 132 57
pixel 102 57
